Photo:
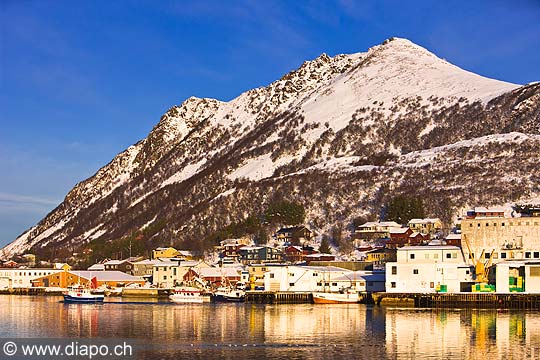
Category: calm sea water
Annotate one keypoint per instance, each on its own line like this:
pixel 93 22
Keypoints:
pixel 246 331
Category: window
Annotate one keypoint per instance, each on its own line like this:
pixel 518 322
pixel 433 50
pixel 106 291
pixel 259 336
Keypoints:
pixel 454 255
pixel 470 225
pixel 536 254
pixel 412 256
pixel 502 224
pixel 393 284
pixel 487 256
pixel 394 270
pixel 315 274
pixel 478 224
pixel 271 275
pixel 426 256
pixel 334 284
pixel 164 277
pixel 415 271
pixel 432 284
pixel 448 255
pixel 503 255
pixel 467 272
pixel 535 271
pixel 528 255
pixel 435 256
pixel 291 284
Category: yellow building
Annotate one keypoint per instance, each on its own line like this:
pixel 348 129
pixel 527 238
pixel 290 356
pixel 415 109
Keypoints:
pixel 381 256
pixel 507 238
pixel 165 252
pixel 425 226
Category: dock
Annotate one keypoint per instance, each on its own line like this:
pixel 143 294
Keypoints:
pixel 31 291
pixel 145 292
pixel 460 300
pixel 272 297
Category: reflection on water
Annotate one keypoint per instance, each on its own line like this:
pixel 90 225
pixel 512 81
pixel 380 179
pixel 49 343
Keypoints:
pixel 281 331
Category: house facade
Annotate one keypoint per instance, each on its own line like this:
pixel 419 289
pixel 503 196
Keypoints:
pixel 165 253
pixel 22 278
pixel 508 238
pixel 425 226
pixel 296 235
pixel 65 279
pixel 428 269
pixel 259 254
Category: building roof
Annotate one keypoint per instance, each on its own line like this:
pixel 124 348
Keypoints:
pixel 148 262
pixel 381 223
pixel 97 267
pixel 399 231
pixel 290 229
pixel 322 268
pixel 315 256
pixel 363 275
pixel 424 221
pixel 217 272
pixel 114 262
pixel 106 276
pixel 453 237
pixel 428 247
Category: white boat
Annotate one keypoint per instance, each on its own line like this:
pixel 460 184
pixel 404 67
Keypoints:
pixel 347 296
pixel 188 295
pixel 81 294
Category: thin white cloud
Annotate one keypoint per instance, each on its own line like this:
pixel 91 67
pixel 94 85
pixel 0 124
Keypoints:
pixel 16 201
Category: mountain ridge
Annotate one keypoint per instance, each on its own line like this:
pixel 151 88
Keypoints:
pixel 363 111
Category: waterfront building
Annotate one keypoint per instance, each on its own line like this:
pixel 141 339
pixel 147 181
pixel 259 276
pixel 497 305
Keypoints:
pixel 65 279
pixel 22 278
pixel 256 274
pixel 169 274
pixel 514 276
pixel 302 278
pixel 214 276
pixel 501 238
pixel 230 248
pixel 430 268
pixel 145 268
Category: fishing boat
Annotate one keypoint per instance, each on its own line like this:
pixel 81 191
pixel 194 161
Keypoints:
pixel 82 294
pixel 188 295
pixel 229 294
pixel 346 296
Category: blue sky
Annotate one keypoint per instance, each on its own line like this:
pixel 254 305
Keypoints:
pixel 81 81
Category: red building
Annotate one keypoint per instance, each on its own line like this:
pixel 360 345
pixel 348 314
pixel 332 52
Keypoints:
pixel 296 254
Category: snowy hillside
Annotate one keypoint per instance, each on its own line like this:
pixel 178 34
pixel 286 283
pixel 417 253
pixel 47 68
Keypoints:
pixel 339 134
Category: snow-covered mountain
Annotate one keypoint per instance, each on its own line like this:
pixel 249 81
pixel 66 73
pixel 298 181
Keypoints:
pixel 341 135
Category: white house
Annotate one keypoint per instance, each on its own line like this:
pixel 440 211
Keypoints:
pixel 431 268
pixel 302 278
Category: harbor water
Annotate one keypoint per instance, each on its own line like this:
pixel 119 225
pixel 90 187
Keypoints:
pixel 296 331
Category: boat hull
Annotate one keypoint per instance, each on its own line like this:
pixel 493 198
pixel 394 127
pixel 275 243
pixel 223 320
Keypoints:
pixel 330 298
pixel 83 299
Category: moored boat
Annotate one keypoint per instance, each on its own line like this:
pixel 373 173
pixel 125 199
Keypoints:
pixel 81 294
pixel 188 295
pixel 345 297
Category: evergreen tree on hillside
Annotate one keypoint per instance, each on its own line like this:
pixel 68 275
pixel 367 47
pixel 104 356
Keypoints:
pixel 401 209
pixel 285 213
pixel 324 248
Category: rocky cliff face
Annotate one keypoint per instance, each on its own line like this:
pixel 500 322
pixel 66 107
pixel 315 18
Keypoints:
pixel 340 135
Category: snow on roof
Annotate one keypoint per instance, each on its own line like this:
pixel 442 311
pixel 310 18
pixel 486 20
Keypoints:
pixel 432 247
pixel 424 221
pixel 217 272
pixel 323 268
pixel 148 262
pixel 314 256
pixel 97 267
pixel 399 231
pixel 362 275
pixel 453 237
pixel 106 276
pixel 381 223
pixel 114 262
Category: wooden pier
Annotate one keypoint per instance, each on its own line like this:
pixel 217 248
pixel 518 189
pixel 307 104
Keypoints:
pixel 461 300
pixel 271 297
pixel 30 291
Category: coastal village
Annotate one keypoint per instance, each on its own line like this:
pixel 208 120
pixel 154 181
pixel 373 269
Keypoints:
pixel 489 250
